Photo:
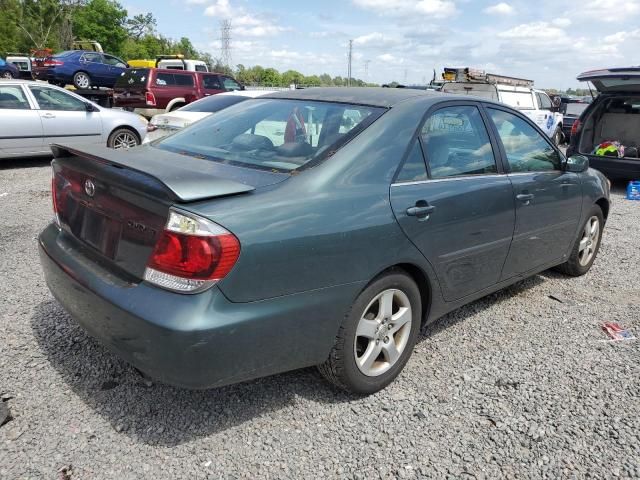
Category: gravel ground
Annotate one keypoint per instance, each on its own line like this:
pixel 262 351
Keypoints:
pixel 516 385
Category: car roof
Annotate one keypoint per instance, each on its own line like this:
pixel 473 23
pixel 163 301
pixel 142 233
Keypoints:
pixel 372 96
pixel 248 93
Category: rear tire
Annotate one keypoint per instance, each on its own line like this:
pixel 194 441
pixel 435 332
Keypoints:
pixel 586 246
pixel 122 139
pixel 7 75
pixel 82 80
pixel 377 336
pixel 558 136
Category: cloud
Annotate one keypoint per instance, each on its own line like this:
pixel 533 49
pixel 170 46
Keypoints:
pixel 606 10
pixel 433 8
pixel 221 8
pixel 377 40
pixel 243 23
pixel 500 9
pixel 561 22
pixel 620 37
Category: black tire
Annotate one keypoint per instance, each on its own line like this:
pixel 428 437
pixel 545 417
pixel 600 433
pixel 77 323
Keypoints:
pixel 7 75
pixel 558 136
pixel 119 134
pixel 82 80
pixel 341 368
pixel 573 266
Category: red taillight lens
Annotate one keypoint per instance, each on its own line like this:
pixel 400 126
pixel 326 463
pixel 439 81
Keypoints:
pixel 150 99
pixel 575 128
pixel 192 254
pixel 52 63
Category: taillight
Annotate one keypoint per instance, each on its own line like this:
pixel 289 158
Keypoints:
pixel 192 254
pixel 150 99
pixel 575 128
pixel 52 63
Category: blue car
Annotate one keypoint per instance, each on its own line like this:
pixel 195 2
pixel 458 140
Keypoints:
pixel 81 68
pixel 8 70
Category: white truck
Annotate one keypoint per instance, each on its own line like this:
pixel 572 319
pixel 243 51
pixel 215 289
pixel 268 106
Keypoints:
pixel 515 92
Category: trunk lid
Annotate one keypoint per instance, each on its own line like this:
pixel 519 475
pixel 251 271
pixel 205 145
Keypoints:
pixel 116 203
pixel 614 79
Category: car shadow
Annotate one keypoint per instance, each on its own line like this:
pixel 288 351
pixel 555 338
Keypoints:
pixel 158 414
pixel 30 162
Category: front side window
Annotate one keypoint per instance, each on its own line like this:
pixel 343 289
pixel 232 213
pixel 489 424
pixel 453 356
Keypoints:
pixel 527 150
pixel 230 84
pixel 211 82
pixel 12 98
pixel 273 134
pixel 50 99
pixel 457 143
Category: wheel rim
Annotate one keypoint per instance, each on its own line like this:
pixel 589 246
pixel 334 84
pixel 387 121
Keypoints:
pixel 7 75
pixel 124 140
pixel 82 80
pixel 383 332
pixel 589 241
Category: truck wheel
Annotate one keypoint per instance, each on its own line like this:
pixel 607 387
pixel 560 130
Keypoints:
pixel 81 80
pixel 558 136
pixel 176 106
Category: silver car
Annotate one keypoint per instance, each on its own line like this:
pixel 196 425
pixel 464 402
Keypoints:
pixel 34 114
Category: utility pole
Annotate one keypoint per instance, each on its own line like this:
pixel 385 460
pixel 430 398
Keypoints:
pixel 406 74
pixel 225 42
pixel 349 67
pixel 366 70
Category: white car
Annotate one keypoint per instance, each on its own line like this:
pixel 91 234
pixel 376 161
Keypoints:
pixel 165 124
pixel 34 115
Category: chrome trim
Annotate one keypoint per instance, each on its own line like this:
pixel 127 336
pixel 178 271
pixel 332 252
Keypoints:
pixel 449 179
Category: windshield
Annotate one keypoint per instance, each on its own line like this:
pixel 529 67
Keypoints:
pixel 576 108
pixel 213 103
pixel 273 134
pixel 133 77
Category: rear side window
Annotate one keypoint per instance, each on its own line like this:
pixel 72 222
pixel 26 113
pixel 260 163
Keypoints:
pixel 183 80
pixel 457 143
pixel 12 98
pixel 164 79
pixel 414 168
pixel 230 84
pixel 51 99
pixel 526 149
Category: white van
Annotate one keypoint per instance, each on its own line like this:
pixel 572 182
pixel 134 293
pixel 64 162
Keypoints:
pixel 515 92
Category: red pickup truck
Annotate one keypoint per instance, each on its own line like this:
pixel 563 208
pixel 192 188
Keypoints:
pixel 150 91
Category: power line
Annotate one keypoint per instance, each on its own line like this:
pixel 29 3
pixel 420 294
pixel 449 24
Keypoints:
pixel 349 66
pixel 225 43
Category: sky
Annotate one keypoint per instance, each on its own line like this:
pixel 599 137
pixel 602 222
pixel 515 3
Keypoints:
pixel 548 41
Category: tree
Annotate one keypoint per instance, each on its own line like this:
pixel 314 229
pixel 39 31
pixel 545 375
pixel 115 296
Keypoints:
pixel 103 21
pixel 39 20
pixel 141 25
pixel 270 76
pixel 10 36
pixel 291 77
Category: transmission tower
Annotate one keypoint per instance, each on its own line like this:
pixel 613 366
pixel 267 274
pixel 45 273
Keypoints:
pixel 349 66
pixel 225 42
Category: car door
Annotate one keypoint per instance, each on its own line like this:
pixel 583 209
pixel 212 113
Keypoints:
pixel 459 211
pixel 548 199
pixel 93 63
pixel 21 132
pixel 65 117
pixel 546 120
pixel 116 68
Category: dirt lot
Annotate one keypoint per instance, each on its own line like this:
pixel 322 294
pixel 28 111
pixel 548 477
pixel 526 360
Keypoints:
pixel 520 384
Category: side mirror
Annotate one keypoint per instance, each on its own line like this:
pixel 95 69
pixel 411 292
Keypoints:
pixel 577 164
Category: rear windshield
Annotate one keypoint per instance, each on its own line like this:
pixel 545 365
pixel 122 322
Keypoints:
pixel 272 134
pixel 64 54
pixel 133 77
pixel 575 108
pixel 213 103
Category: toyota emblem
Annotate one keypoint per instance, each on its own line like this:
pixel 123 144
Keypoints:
pixel 89 188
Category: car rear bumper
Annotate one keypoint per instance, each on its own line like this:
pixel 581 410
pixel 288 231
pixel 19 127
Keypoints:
pixel 193 341
pixel 617 168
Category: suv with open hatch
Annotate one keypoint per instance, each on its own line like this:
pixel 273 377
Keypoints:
pixel 151 91
pixel 608 131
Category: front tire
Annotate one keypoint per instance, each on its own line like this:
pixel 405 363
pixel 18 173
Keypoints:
pixel 377 336
pixel 82 80
pixel 586 246
pixel 122 139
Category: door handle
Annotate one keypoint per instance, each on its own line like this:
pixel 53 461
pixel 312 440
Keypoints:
pixel 48 115
pixel 421 210
pixel 525 197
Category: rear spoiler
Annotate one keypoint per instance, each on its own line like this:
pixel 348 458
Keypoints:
pixel 187 178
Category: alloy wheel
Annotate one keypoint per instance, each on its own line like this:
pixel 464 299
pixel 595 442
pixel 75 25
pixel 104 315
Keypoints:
pixel 82 80
pixel 124 140
pixel 383 332
pixel 7 75
pixel 589 241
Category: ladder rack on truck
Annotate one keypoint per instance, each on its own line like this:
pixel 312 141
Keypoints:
pixel 472 75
